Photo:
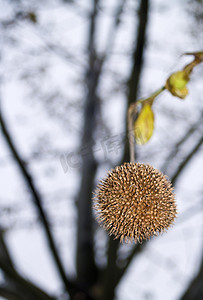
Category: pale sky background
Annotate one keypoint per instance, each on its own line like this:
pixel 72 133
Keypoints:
pixel 47 126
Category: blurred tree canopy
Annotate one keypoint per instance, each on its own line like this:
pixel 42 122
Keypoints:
pixel 70 70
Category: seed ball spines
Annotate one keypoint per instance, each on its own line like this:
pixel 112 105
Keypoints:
pixel 134 202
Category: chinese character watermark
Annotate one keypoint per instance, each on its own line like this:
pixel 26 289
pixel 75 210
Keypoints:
pixel 108 145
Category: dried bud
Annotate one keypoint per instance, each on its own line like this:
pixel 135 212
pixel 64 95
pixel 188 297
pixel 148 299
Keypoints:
pixel 134 202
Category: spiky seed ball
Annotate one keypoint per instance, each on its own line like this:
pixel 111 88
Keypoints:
pixel 134 202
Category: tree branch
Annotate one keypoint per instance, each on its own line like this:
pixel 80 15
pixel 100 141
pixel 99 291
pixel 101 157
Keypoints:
pixel 133 83
pixel 4 253
pixel 16 284
pixel 8 294
pixel 138 54
pixel 86 267
pixel 135 251
pixel 112 31
pixel 195 127
pixel 195 288
pixel 87 271
pixel 37 201
pixel 186 161
pixel 109 275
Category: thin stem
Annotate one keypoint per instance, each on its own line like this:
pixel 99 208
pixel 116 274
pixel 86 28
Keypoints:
pixel 151 98
pixel 132 111
pixel 131 137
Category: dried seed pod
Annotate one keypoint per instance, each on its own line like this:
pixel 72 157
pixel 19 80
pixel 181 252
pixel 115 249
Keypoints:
pixel 134 202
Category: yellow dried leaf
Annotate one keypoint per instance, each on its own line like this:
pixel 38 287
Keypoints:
pixel 176 84
pixel 144 125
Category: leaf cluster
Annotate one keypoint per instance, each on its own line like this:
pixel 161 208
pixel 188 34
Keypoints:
pixel 176 84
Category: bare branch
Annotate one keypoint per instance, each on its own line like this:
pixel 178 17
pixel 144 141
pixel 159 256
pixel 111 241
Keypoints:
pixel 177 148
pixel 138 54
pixel 112 31
pixel 135 251
pixel 37 201
pixel 187 159
pixel 109 276
pixel 85 252
pixel 8 294
pixel 4 254
pixel 133 84
pixel 195 288
pixel 86 267
pixel 16 283
pixel 191 212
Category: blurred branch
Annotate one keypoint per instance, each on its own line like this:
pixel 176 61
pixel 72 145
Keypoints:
pixel 36 197
pixel 109 275
pixel 4 254
pixel 22 286
pixel 135 251
pixel 194 128
pixel 86 267
pixel 194 290
pixel 61 52
pixel 55 48
pixel 16 283
pixel 85 252
pixel 19 16
pixel 7 294
pixel 138 54
pixel 117 19
pixel 133 84
pixel 113 263
pixel 187 159
pixel 191 212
